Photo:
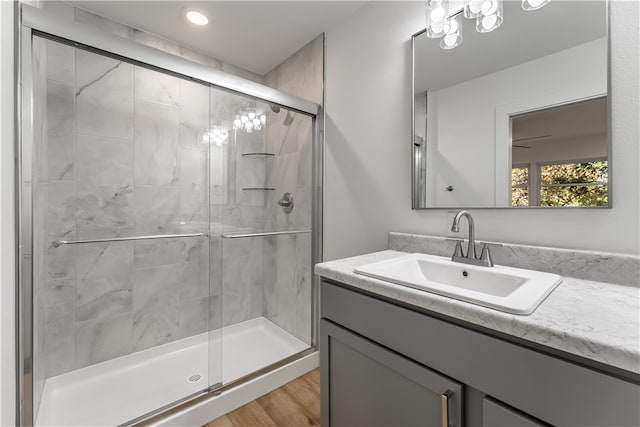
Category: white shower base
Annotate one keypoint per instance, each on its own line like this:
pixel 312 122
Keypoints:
pixel 119 390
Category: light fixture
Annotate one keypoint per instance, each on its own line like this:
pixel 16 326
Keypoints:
pixel 453 33
pixel 534 4
pixel 443 17
pixel 472 8
pixel 437 14
pixel 490 16
pixel 195 16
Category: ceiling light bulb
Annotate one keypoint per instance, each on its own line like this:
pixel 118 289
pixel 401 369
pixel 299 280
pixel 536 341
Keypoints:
pixel 489 21
pixel 437 14
pixel 452 26
pixel 472 8
pixel 533 4
pixel 244 119
pixel 197 18
pixel 437 27
pixel 450 41
pixel 453 36
pixel 252 115
pixel 488 7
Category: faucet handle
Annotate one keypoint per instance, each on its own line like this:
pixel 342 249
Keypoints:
pixel 485 255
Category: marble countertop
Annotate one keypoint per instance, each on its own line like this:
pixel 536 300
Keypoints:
pixel 594 320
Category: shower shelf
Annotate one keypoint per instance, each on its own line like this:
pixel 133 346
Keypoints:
pixel 259 188
pixel 265 155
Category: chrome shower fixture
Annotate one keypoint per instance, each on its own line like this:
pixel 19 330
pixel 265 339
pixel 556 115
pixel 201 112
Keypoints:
pixel 288 120
pixel 286 202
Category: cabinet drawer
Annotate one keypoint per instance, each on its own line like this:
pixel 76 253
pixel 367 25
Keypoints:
pixel 551 389
pixel 365 385
pixel 495 414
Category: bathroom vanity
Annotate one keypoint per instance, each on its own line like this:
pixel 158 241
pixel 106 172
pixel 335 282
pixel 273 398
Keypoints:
pixel 392 355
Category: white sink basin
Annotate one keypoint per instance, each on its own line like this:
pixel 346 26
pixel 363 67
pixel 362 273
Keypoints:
pixel 509 289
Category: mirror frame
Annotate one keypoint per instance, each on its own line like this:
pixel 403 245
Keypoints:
pixel 415 196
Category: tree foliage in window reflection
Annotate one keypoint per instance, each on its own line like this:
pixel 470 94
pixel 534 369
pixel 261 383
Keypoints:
pixel 593 191
pixel 556 189
pixel 519 187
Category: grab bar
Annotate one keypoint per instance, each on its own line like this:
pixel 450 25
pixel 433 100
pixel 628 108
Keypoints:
pixel 268 233
pixel 122 239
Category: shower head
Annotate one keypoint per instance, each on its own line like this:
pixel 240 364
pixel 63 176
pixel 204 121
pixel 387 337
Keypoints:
pixel 288 120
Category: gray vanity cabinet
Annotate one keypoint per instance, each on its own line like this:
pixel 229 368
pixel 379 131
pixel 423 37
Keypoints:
pixel 372 386
pixel 386 364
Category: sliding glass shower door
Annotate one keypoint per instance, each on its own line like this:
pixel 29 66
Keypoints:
pixel 169 227
pixel 124 302
pixel 261 228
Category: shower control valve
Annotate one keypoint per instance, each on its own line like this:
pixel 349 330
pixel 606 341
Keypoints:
pixel 286 202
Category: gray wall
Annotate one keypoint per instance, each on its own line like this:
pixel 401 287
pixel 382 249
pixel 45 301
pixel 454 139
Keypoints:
pixel 367 163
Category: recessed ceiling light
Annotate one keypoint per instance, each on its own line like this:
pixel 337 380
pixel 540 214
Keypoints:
pixel 196 17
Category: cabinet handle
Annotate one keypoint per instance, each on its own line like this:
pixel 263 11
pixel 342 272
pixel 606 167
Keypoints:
pixel 444 399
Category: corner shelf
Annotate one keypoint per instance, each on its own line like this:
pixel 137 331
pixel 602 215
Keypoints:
pixel 263 155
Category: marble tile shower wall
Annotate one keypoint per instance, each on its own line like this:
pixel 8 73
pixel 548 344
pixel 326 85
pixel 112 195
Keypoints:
pixel 126 158
pixel 288 265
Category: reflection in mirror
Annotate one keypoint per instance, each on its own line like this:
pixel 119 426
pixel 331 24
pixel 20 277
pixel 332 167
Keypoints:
pixel 537 81
pixel 559 156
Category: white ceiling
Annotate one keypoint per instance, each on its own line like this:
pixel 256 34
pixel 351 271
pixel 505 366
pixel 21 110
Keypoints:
pixel 523 36
pixel 254 35
pixel 570 121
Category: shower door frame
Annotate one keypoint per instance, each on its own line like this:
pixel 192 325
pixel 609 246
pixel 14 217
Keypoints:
pixel 37 22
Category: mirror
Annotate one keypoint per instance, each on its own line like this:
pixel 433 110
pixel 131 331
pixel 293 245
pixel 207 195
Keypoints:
pixel 517 117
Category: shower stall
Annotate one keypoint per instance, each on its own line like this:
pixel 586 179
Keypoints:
pixel 169 222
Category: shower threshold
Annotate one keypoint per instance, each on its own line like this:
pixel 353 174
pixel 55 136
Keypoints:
pixel 116 391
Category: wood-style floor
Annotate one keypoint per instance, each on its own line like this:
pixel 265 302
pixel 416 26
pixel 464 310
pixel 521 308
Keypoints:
pixel 295 404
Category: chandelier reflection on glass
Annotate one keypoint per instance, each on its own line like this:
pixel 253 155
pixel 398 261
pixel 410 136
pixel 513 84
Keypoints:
pixel 215 135
pixel 444 17
pixel 249 121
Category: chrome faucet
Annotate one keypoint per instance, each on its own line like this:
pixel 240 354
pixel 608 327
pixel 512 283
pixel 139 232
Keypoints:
pixel 470 258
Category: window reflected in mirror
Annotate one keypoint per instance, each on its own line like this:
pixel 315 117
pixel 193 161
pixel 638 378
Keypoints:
pixel 560 156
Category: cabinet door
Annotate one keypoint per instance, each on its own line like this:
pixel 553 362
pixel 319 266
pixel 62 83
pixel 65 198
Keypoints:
pixel 364 384
pixel 495 414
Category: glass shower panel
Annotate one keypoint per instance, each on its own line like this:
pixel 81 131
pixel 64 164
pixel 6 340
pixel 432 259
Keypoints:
pixel 265 280
pixel 125 306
